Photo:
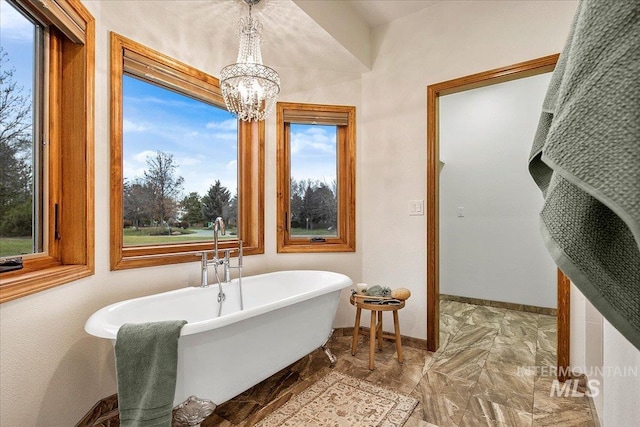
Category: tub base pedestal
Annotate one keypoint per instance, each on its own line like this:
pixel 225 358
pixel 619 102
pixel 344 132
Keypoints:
pixel 192 412
pixel 332 358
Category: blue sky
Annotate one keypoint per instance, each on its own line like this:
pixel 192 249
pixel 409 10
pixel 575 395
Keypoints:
pixel 313 152
pixel 201 137
pixel 17 40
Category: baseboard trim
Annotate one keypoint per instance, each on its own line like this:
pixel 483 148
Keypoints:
pixel 500 304
pixel 412 342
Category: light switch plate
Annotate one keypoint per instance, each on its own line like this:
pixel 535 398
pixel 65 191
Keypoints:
pixel 416 207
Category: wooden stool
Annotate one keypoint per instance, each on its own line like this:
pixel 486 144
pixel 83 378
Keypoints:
pixel 376 327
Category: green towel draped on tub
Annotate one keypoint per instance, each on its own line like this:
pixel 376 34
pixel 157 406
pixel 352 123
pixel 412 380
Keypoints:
pixel 586 160
pixel 146 367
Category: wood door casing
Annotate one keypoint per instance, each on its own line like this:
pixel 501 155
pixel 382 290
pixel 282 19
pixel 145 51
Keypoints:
pixel 473 81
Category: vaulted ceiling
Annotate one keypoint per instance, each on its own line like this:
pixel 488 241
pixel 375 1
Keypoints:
pixel 330 34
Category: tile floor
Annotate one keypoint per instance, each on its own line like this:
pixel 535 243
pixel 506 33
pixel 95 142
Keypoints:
pixel 478 377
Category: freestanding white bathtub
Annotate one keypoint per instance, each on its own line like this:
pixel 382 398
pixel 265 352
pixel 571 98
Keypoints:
pixel 287 315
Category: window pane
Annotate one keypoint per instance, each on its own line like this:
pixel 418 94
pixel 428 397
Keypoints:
pixel 313 204
pixel 20 219
pixel 180 166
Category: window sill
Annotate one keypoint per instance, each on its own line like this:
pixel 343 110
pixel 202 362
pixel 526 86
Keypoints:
pixel 24 282
pixel 151 256
pixel 315 248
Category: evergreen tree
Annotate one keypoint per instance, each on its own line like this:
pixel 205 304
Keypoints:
pixel 192 207
pixel 216 202
pixel 314 207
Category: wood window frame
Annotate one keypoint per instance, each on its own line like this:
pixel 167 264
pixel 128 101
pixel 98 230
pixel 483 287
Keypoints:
pixel 345 241
pixel 69 159
pixel 132 58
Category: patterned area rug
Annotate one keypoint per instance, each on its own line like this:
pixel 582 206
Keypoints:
pixel 341 400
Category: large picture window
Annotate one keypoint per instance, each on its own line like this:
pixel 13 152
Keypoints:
pixel 179 160
pixel 316 178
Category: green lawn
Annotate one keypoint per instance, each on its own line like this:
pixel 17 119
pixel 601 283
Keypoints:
pixel 157 240
pixel 144 236
pixel 13 246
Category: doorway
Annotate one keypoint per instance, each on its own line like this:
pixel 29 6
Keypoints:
pixel 491 77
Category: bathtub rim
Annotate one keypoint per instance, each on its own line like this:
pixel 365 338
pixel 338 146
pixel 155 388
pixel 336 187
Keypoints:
pixel 97 325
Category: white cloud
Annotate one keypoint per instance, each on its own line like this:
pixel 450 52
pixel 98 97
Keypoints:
pixel 226 125
pixel 194 137
pixel 129 126
pixel 312 140
pixel 141 157
pixel 232 165
pixel 313 154
pixel 132 170
pixel 188 161
pixel 314 171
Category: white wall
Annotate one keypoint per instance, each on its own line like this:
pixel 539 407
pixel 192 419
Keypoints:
pixel 607 358
pixel 621 391
pixel 586 347
pixel 494 251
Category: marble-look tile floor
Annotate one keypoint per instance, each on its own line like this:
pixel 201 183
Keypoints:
pixel 484 374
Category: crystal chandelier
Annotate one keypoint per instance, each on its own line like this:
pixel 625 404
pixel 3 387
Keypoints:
pixel 249 88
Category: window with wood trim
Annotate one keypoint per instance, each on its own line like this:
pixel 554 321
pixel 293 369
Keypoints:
pixel 49 170
pixel 179 159
pixel 316 177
